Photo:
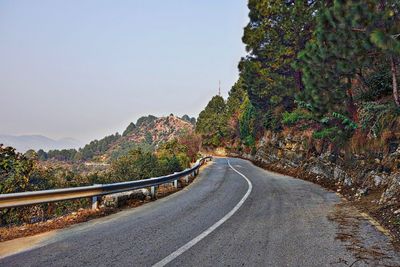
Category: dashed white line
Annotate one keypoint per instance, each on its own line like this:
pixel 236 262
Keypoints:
pixel 198 238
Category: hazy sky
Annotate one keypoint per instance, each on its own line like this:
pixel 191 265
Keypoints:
pixel 86 68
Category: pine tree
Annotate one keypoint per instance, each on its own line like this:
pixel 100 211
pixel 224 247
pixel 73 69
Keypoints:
pixel 344 45
pixel 247 123
pixel 277 31
pixel 131 127
pixel 212 123
pixel 237 95
pixel 387 38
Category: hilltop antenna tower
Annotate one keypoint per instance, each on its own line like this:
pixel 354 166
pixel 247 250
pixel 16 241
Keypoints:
pixel 219 87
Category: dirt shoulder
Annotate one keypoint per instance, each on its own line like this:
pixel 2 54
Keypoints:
pixel 368 203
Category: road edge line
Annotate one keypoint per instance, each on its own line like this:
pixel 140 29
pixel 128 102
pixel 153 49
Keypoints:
pixel 211 229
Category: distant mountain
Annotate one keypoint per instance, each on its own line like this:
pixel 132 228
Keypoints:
pixel 25 142
pixel 149 132
pixel 156 130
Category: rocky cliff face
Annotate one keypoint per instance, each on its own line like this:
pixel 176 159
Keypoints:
pixel 148 133
pixel 158 130
pixel 372 178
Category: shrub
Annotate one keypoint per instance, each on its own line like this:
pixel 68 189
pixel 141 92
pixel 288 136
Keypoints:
pixel 291 118
pixel 331 133
pixel 374 117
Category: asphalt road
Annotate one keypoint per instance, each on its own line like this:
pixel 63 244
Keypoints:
pixel 247 217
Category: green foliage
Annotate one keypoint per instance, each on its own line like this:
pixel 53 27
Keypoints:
pixel 331 133
pixel 247 123
pixel 189 119
pixel 31 154
pixel 291 118
pixel 88 152
pixel 336 128
pixel 125 147
pixel 170 157
pixel 350 37
pixel 131 127
pixel 135 165
pixel 375 117
pixel 269 120
pixel 378 84
pixel 98 147
pixel 15 170
pixel 348 124
pixel 62 155
pixel 42 155
pixel 174 151
pixel 19 173
pixel 237 95
pixel 272 39
pixel 149 120
pixel 212 122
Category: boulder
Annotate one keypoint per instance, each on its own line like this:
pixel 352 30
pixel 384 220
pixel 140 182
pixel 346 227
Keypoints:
pixel 393 189
pixel 362 192
pixel 377 180
pixel 339 174
pixel 321 169
pixel 118 199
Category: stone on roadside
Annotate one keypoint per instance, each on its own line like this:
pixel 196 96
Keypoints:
pixel 118 199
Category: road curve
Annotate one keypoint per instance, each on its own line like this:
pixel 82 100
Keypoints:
pixel 238 215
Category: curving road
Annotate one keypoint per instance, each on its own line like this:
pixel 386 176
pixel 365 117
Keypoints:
pixel 232 215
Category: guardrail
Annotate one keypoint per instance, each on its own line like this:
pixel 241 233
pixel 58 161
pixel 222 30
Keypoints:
pixel 95 191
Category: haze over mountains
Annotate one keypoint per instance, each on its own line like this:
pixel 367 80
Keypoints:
pixel 25 142
pixel 148 130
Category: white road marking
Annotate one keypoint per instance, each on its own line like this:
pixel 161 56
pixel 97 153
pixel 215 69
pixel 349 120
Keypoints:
pixel 198 238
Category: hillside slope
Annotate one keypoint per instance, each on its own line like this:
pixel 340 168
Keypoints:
pixel 148 133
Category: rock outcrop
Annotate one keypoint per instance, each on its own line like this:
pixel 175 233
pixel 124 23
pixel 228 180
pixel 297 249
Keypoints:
pixel 355 176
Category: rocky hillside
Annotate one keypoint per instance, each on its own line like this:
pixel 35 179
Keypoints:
pixel 370 180
pixel 156 130
pixel 147 133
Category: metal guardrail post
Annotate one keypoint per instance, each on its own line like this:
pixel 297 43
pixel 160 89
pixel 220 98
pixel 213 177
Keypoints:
pixel 153 192
pixel 175 182
pixel 95 203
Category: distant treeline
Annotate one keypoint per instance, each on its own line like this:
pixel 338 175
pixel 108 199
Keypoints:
pixel 88 152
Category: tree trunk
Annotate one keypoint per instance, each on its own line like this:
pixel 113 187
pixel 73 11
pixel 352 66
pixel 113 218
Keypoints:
pixel 298 80
pixel 394 81
pixel 363 82
pixel 351 107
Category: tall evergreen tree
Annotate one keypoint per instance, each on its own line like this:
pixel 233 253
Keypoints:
pixel 277 31
pixel 387 38
pixel 350 36
pixel 212 124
